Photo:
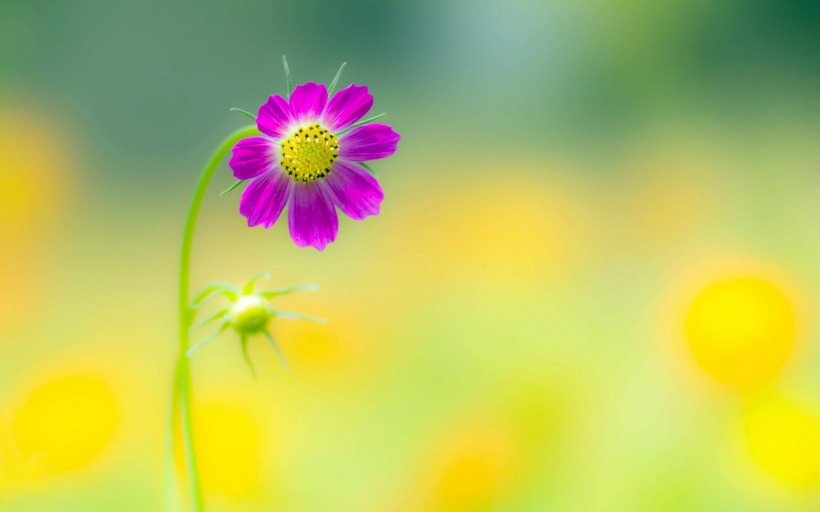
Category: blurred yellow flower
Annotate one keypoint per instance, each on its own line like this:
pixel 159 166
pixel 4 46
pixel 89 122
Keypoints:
pixel 534 226
pixel 473 468
pixel 65 424
pixel 783 438
pixel 741 329
pixel 229 449
pixel 342 348
pixel 669 198
pixel 34 163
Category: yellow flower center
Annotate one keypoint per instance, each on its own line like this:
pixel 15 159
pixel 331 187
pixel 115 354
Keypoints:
pixel 309 153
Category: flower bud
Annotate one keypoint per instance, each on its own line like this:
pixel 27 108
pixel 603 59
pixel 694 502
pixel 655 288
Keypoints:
pixel 250 314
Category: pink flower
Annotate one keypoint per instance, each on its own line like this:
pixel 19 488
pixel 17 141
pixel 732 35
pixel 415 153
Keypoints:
pixel 308 158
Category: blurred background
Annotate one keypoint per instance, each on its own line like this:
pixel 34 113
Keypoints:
pixel 593 285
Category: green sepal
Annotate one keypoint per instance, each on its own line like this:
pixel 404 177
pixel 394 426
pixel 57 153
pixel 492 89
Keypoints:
pixel 363 121
pixel 207 339
pixel 220 313
pixel 248 288
pixel 243 111
pixel 269 294
pixel 368 169
pixel 288 78
pixel 335 80
pixel 293 314
pixel 212 291
pixel 231 188
pixel 277 350
pixel 244 342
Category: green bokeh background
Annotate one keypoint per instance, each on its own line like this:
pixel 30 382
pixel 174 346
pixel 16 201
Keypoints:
pixel 506 335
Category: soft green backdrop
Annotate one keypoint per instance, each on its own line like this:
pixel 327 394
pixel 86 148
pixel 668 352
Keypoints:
pixel 593 285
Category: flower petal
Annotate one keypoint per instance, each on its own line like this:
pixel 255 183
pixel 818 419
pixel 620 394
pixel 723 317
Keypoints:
pixel 346 107
pixel 308 102
pixel 274 117
pixel 355 191
pixel 368 142
pixel 312 216
pixel 253 156
pixel 265 198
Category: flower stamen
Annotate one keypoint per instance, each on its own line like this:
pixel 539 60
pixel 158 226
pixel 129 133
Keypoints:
pixel 309 153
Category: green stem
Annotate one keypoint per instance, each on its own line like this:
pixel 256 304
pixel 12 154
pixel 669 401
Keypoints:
pixel 182 383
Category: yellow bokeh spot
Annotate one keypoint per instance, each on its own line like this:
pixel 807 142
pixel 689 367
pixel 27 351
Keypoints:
pixel 34 167
pixel 34 162
pixel 229 450
pixel 314 344
pixel 65 424
pixel 741 330
pixel 514 228
pixel 338 349
pixel 473 469
pixel 481 227
pixel 668 199
pixel 783 438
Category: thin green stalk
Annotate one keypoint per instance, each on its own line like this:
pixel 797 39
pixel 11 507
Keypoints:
pixel 182 383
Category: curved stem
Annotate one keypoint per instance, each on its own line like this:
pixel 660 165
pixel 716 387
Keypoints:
pixel 183 392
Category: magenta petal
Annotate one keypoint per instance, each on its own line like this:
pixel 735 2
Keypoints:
pixel 253 156
pixel 355 191
pixel 312 215
pixel 274 117
pixel 307 103
pixel 265 198
pixel 346 107
pixel 368 142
